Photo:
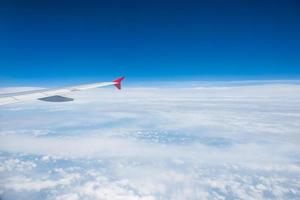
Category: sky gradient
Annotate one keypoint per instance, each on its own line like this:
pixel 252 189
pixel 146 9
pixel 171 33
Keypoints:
pixel 93 40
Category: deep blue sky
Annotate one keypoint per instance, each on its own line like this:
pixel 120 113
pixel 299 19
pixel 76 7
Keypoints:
pixel 92 40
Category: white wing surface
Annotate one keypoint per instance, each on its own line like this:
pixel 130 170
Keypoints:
pixel 53 95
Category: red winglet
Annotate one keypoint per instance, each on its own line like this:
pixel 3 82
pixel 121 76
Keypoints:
pixel 118 82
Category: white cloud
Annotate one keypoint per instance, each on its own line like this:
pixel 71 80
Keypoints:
pixel 216 142
pixel 16 165
pixel 21 183
pixel 67 197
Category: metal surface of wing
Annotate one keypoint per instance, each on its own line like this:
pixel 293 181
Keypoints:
pixel 53 95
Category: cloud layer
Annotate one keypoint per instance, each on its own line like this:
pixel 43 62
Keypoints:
pixel 208 142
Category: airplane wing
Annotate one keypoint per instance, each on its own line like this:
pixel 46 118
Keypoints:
pixel 53 95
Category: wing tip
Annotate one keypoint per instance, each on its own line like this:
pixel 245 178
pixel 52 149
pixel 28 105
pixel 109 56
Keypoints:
pixel 118 82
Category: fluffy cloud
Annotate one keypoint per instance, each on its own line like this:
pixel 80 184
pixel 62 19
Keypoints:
pixel 208 142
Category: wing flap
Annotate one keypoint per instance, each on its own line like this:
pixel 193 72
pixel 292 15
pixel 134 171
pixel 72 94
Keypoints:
pixel 56 98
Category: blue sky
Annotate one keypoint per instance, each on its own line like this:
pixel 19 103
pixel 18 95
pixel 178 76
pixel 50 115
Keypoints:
pixel 76 41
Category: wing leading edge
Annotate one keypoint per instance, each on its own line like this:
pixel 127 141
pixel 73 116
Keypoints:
pixel 54 95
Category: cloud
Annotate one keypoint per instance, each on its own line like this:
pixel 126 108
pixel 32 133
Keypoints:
pixel 16 165
pixel 208 142
pixel 27 184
